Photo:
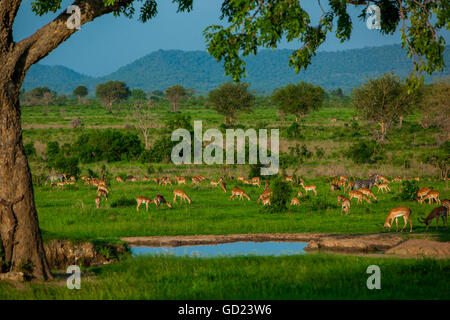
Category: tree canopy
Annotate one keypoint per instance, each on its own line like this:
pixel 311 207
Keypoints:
pixel 230 99
pixel 112 92
pixel 383 100
pixel 175 94
pixel 298 99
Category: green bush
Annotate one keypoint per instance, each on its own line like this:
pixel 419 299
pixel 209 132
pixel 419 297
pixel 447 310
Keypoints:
pixel 30 150
pixel 408 190
pixel 281 196
pixel 365 152
pixel 123 202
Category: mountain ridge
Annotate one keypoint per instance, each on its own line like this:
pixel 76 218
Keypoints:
pixel 268 70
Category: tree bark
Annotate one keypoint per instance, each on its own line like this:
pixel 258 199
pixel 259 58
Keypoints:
pixel 19 226
pixel 20 237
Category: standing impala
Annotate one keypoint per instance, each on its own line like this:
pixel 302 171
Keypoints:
pixel 396 213
pixel 383 187
pixel 266 193
pixel 256 181
pixel 309 188
pixel 295 201
pixel 216 183
pixel 238 192
pixel 180 180
pixel 422 192
pixel 436 213
pixel 143 200
pixel 181 194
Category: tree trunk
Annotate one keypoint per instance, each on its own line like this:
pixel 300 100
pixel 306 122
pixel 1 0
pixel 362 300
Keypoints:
pixel 400 122
pixel 19 228
pixel 383 130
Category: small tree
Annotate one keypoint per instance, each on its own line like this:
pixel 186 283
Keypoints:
pixel 80 92
pixel 138 95
pixel 230 99
pixel 142 121
pixel 112 92
pixel 383 100
pixel 175 95
pixel 299 99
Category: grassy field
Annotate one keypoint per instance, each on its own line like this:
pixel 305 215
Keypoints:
pixel 310 276
pixel 70 213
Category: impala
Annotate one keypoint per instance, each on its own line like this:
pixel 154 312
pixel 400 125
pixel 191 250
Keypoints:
pixel 422 192
pixel 299 194
pixel 383 187
pixel 238 192
pixel 289 179
pixel 340 198
pixel 358 195
pixel 181 194
pixel 266 201
pixel 295 201
pixel 309 188
pixel 256 181
pixel 350 185
pixel 143 200
pixel 119 179
pixel 436 213
pixel 165 181
pixel 196 180
pixel 344 178
pixel 417 178
pixel 133 179
pixel 396 213
pixel 216 183
pixel 101 192
pixel 334 187
pixel 98 200
pixel 180 180
pixel 156 180
pixel 159 199
pixel 446 203
pixel 432 195
pixel 383 179
pixel 145 178
pixel 266 193
pixel 246 181
pixel 346 204
pixel 240 178
pixel 397 179
pixel 60 184
pixel 223 186
pixel 368 193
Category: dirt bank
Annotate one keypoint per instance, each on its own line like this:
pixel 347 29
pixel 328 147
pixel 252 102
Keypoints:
pixel 389 243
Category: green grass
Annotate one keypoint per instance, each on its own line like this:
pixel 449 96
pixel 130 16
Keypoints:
pixel 71 213
pixel 310 276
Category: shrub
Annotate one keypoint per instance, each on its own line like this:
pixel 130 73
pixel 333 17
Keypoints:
pixel 294 131
pixel 365 152
pixel 281 192
pixel 408 190
pixel 76 122
pixel 30 150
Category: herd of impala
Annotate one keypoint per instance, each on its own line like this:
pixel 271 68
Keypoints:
pixel 338 183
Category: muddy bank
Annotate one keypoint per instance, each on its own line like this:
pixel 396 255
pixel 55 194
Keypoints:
pixel 63 253
pixel 389 243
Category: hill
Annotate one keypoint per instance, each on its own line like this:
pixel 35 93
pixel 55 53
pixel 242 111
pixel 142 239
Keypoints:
pixel 266 71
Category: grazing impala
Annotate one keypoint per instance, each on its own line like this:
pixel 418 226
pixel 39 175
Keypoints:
pixel 223 186
pixel 383 179
pixel 238 192
pixel 368 193
pixel 119 179
pixel 334 187
pixel 216 183
pixel 358 195
pixel 181 194
pixel 432 195
pixel 383 187
pixel 309 188
pixel 196 180
pixel 266 193
pixel 180 180
pixel 256 181
pixel 240 178
pixel 396 213
pixel 346 204
pixel 143 200
pixel 266 201
pixel 422 192
pixel 98 200
pixel 165 181
pixel 436 213
pixel 295 201
pixel 101 192
pixel 159 199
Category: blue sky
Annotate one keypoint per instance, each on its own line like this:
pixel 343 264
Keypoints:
pixel 107 43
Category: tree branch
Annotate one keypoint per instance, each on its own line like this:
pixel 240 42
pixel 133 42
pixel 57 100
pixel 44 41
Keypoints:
pixel 8 12
pixel 46 39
